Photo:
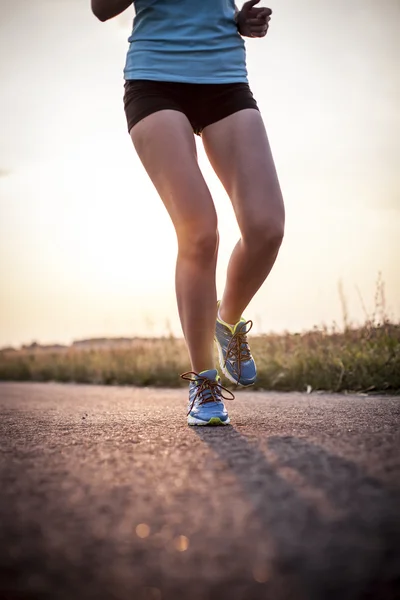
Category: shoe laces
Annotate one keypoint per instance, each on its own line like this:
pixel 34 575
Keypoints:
pixel 203 384
pixel 238 350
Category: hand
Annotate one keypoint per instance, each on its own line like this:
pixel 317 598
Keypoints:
pixel 253 22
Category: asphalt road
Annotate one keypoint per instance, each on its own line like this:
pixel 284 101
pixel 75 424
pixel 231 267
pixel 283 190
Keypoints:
pixel 106 493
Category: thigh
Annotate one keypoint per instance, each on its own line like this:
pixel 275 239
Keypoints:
pixel 166 147
pixel 239 152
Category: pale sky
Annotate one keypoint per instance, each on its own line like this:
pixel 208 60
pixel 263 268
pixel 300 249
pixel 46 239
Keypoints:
pixel 77 256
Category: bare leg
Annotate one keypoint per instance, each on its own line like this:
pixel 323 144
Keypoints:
pixel 244 278
pixel 165 144
pixel 197 299
pixel 239 151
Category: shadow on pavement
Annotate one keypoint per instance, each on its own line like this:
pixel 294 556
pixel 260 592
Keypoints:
pixel 332 531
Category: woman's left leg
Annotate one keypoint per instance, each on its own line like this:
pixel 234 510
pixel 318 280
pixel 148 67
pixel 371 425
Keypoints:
pixel 239 152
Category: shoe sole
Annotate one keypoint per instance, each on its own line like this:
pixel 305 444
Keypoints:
pixel 213 421
pixel 225 370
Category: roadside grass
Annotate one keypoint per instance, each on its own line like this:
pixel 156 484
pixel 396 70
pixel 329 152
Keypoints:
pixel 365 359
pixel 359 359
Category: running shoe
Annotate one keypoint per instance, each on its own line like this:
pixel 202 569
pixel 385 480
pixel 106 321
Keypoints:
pixel 235 359
pixel 205 398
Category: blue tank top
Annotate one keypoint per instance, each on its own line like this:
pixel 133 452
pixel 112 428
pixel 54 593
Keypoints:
pixel 192 41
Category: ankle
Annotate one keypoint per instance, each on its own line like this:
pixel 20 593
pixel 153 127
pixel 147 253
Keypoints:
pixel 226 318
pixel 201 367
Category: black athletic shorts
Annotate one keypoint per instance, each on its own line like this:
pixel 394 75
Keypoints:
pixel 202 103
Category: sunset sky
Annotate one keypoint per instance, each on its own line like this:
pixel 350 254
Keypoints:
pixel 78 257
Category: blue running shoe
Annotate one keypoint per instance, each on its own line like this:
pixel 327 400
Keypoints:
pixel 235 359
pixel 205 399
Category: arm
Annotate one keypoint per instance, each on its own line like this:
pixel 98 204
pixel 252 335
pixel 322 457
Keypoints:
pixel 107 9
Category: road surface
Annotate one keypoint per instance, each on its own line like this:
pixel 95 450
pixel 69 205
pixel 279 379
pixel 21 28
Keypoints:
pixel 106 493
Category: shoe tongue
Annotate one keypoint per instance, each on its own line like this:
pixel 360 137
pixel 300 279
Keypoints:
pixel 241 326
pixel 211 374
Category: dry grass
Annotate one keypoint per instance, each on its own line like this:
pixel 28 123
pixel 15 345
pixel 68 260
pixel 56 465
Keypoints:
pixel 363 358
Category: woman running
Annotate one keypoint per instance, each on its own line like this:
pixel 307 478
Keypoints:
pixel 186 75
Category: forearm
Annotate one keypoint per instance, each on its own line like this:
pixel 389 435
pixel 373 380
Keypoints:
pixel 107 9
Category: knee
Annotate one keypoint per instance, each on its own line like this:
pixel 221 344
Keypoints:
pixel 264 236
pixel 199 245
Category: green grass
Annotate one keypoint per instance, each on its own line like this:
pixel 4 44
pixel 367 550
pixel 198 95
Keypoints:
pixel 365 359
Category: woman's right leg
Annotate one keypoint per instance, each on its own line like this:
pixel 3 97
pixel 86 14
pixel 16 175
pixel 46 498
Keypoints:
pixel 165 145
